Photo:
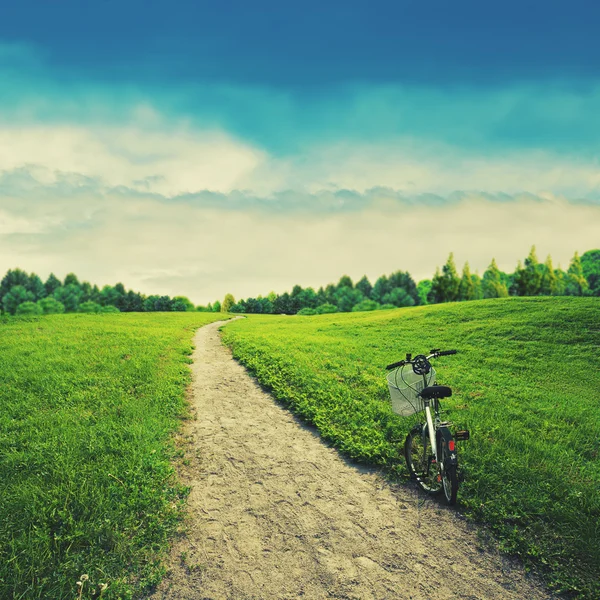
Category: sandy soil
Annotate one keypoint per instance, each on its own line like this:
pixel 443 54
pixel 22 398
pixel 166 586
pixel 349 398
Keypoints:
pixel 275 513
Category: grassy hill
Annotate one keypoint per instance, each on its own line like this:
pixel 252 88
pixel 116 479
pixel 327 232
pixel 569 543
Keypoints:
pixel 526 383
pixel 87 408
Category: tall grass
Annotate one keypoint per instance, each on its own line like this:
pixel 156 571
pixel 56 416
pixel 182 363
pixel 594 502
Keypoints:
pixel 526 383
pixel 87 408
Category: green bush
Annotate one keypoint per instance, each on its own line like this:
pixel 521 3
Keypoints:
pixel 109 309
pixel 326 308
pixel 51 305
pixel 89 307
pixel 28 308
pixel 387 307
pixel 307 312
pixel 366 305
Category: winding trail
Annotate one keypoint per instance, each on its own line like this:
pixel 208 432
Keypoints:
pixel 274 513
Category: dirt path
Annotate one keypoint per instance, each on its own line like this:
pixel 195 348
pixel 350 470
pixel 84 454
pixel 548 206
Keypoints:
pixel 276 514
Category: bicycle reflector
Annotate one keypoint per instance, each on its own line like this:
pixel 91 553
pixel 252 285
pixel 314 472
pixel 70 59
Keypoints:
pixel 451 446
pixel 462 436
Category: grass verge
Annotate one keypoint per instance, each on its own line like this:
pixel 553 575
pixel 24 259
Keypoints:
pixel 526 383
pixel 88 407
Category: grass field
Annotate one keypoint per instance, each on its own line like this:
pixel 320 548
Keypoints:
pixel 526 383
pixel 88 405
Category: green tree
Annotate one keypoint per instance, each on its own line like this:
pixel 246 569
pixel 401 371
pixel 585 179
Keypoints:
pixel 52 284
pixel 181 304
pixel 398 297
pixel 36 287
pixel 548 279
pixel 228 302
pixel 346 297
pixel 528 278
pixel 576 284
pixel 445 286
pixel 216 307
pixel 492 284
pixel 12 278
pixel 17 295
pixel 466 290
pixel 28 308
pixel 345 281
pixel 51 305
pixel 70 296
pixel 590 265
pixel 423 289
pixel 364 285
pixel 71 279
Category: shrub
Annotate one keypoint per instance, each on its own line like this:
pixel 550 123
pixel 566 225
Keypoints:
pixel 28 308
pixel 89 307
pixel 307 311
pixel 326 308
pixel 387 307
pixel 109 309
pixel 366 305
pixel 51 306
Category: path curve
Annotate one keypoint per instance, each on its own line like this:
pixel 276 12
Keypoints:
pixel 274 513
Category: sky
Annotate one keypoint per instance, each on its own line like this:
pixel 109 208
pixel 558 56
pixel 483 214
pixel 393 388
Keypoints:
pixel 195 148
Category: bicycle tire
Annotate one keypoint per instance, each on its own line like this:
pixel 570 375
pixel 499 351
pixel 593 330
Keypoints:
pixel 450 484
pixel 420 460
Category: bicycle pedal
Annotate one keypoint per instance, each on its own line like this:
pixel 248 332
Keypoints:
pixel 462 436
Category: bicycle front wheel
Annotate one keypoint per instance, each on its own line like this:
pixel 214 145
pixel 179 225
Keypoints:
pixel 420 460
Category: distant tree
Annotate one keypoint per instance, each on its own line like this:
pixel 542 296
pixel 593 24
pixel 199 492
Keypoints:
pixel 86 292
pixel 182 304
pixel 71 279
pixel 228 302
pixel 398 297
pixel 364 285
pixel 548 279
pixel 529 277
pixel 380 289
pixel 271 296
pixel 134 302
pixel 403 279
pixel 17 295
pixel 149 303
pixel 326 309
pixel 330 291
pixel 575 282
pixel 110 296
pixel 477 287
pixel 307 298
pixel 36 287
pixel 346 297
pixel 163 304
pixel 69 295
pixel 492 284
pixel 89 307
pixel 590 265
pixel 13 278
pixel 423 289
pixel 445 286
pixel 283 305
pixel 345 281
pixel 216 307
pixel 466 290
pixel 28 308
pixel 51 305
pixel 52 284
pixel 366 305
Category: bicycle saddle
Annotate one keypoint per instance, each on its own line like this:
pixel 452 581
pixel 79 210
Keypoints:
pixel 436 391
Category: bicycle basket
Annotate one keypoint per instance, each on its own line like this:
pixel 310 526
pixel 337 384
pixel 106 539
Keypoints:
pixel 405 386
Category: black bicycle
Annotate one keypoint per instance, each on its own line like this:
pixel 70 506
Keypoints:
pixel 430 447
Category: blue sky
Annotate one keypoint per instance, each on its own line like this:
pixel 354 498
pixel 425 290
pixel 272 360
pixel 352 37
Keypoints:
pixel 264 125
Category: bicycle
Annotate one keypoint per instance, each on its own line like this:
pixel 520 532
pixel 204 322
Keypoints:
pixel 430 447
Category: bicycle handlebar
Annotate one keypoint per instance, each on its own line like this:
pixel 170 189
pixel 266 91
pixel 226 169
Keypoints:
pixel 434 354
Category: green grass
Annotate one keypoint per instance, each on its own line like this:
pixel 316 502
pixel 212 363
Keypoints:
pixel 526 383
pixel 88 405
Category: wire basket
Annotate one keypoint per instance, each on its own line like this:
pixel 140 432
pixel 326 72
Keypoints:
pixel 405 385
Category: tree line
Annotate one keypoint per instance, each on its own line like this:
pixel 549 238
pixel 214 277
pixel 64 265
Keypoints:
pixel 24 293
pixel 530 278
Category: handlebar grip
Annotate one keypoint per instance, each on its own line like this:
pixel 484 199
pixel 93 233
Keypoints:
pixel 396 364
pixel 446 352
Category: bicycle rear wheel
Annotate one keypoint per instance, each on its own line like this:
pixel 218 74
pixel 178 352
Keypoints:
pixel 450 484
pixel 420 460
